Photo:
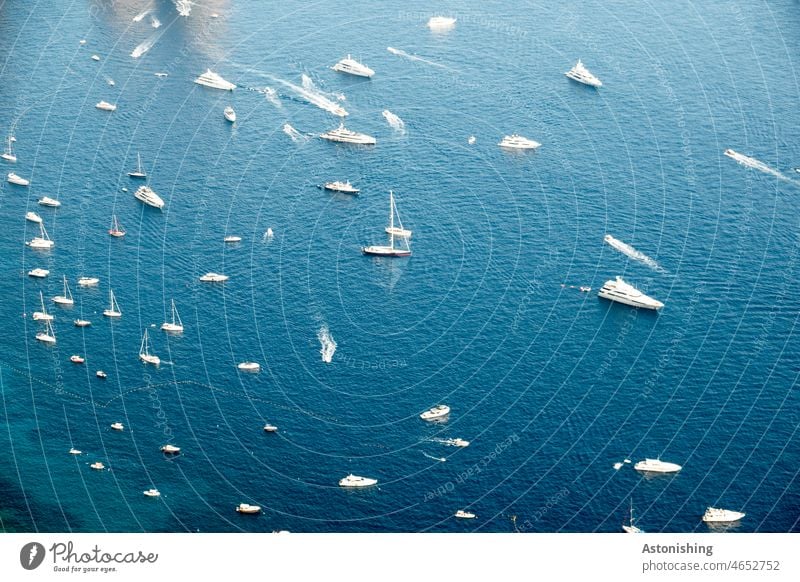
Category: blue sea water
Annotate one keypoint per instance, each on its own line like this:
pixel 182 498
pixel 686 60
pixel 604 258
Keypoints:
pixel 552 386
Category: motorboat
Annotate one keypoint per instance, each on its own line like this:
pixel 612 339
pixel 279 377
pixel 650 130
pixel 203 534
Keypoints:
pixel 74 451
pixel 88 281
pixel 76 359
pixel 582 75
pixel 152 493
pixel 213 278
pixel 18 180
pixel 270 428
pixel 170 449
pixel 622 292
pixel 144 352
pixel 517 142
pixel 42 315
pixel 100 374
pixel 249 366
pixel 33 217
pixel 113 307
pixel 463 514
pixel 38 273
pixel 116 230
pixel 435 413
pixel 248 509
pixel 41 242
pixel 356 481
pixel 716 515
pixel 471 140
pixel 161 75
pixel 95 57
pixel 629 527
pixel 656 466
pixel 352 67
pixel 82 323
pixel 345 187
pixel 66 298
pixel 47 201
pixel 392 250
pixel 176 325
pixel 47 336
pixel 229 114
pixel 117 426
pixel 213 80
pixel 98 466
pixel 344 135
pixel 441 22
pixel 106 106
pixel 139 171
pixel 9 153
pixel 232 239
pixel 148 196
pixel 457 442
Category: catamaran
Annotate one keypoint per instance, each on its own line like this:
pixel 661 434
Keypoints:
pixel 139 172
pixel 144 352
pixel 66 298
pixel 116 230
pixel 391 250
pixel 176 325
pixel 113 308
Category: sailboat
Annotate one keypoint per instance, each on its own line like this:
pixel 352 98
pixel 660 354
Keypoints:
pixel 176 325
pixel 47 336
pixel 113 308
pixel 397 231
pixel 391 250
pixel 9 153
pixel 66 298
pixel 144 352
pixel 629 527
pixel 42 241
pixel 139 173
pixel 116 229
pixel 42 315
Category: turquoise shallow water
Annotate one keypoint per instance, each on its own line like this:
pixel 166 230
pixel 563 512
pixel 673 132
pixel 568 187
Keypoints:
pixel 551 386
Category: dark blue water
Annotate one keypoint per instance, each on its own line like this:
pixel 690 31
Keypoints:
pixel 551 386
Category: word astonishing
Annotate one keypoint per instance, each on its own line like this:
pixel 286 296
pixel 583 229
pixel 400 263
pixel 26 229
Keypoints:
pixel 686 548
pixel 65 553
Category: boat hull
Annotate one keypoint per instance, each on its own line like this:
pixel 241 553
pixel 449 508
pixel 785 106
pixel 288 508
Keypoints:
pixel 378 251
pixel 628 301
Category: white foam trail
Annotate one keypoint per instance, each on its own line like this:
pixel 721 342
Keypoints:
pixel 442 459
pixel 184 7
pixel 404 54
pixel 628 250
pixel 138 17
pixel 327 343
pixel 314 96
pixel 293 133
pixel 144 47
pixel 394 121
pixel 272 96
pixel 756 164
pixel 154 22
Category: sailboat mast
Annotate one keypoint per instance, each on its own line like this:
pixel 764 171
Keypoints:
pixel 391 219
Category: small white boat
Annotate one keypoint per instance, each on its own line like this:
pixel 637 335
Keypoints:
pixel 47 201
pixel 463 514
pixel 656 466
pixel 248 509
pixel 152 493
pixel 629 527
pixel 356 481
pixel 95 58
pixel 170 449
pixel 148 196
pixel 33 217
pixel 471 140
pixel 213 278
pixel 118 426
pixel 517 142
pixel 345 187
pixel 161 75
pixel 352 67
pixel 76 359
pixel 214 81
pixel 116 230
pixel 232 239
pixel 144 352
pixel 249 366
pixel 113 307
pixel 100 374
pixel 82 323
pixel 716 515
pixel 47 336
pixel 582 75
pixel 82 41
pixel 38 273
pixel 439 411
pixel 66 298
pixel 42 315
pixel 98 466
pixel 270 428
pixel 106 106
pixel 88 281
pixel 229 114
pixel 9 153
pixel 18 180
pixel 176 325
pixel 139 171
pixel 441 23
pixel 74 451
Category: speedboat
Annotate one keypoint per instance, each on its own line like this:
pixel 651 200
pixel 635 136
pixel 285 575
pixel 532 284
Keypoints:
pixel 152 493
pixel 436 412
pixel 715 515
pixel 581 74
pixel 148 196
pixel 229 114
pixel 656 466
pixel 213 80
pixel 38 273
pixel 471 140
pixel 18 180
pixel 270 428
pixel 76 359
pixel 95 58
pixel 248 509
pixel 356 481
pixel 88 281
pixel 98 466
pixel 106 106
pixel 118 426
pixel 441 23
pixel 352 67
pixel 517 142
pixel 458 442
pixel 82 323
pixel 232 239
pixel 100 374
pixel 465 514
pixel 47 201
pixel 74 451
pixel 33 217
pixel 343 135
pixel 249 366
pixel 213 278
pixel 622 292
pixel 170 449
pixel 345 187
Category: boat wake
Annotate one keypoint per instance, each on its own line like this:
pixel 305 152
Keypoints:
pixel 144 47
pixel 405 55
pixel 272 96
pixel 293 133
pixel 440 459
pixel 756 164
pixel 268 234
pixel 631 252
pixel 394 121
pixel 311 94
pixel 184 7
pixel 141 15
pixel 154 22
pixel 327 343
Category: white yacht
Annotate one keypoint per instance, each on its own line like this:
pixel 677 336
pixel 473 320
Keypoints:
pixel 42 241
pixel 152 493
pixel 118 426
pixel 458 442
pixel 38 273
pixel 113 307
pixel 356 481
pixel 581 74
pixel 42 315
pixel 144 352
pixel 47 336
pixel 517 142
pixel 394 232
pixel 148 196
pixel 47 201
pixel 213 80
pixel 270 428
pixel 249 366
pixel 248 509
pixel 82 323
pixel 229 114
pixel 232 239
pixel 463 514
pixel 441 22
pixel 95 57
pixel 437 412
pixel 343 135
pixel 74 451
pixel 622 292
pixel 100 374
pixel 656 466
pixel 715 515
pixel 98 466
pixel 629 527
pixel 345 187
pixel 88 281
pixel 106 106
pixel 176 325
pixel 66 298
pixel 213 278
pixel 139 171
pixel 352 67
pixel 170 449
pixel 9 153
pixel 33 217
pixel 76 359
pixel 18 180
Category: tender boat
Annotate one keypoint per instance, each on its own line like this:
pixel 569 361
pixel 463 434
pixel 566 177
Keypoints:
pixel 82 323
pixel 38 273
pixel 471 140
pixel 248 509
pixel 213 80
pixel 116 230
pixel 170 449
pixel 47 201
pixel 74 451
pixel 88 281
pixel 656 466
pixel 144 352
pixel 716 515
pixel 356 481
pixel 152 493
pixel 41 242
pixel 392 250
pixel 113 307
pixel 176 325
pixel 343 135
pixel 98 466
pixel 441 23
pixel 100 374
pixel 9 153
pixel 622 292
pixel 629 527
pixel 517 142
pixel 465 514
pixel 459 442
pixel 249 366
pixel 33 217
pixel 148 196
pixel 161 75
pixel 95 58
pixel 232 239
pixel 18 180
pixel 352 67
pixel 66 298
pixel 213 278
pixel 582 75
pixel 42 315
pixel 76 359
pixel 229 114
pixel 139 171
pixel 439 411
pixel 106 106
pixel 118 426
pixel 345 187
pixel 270 428
pixel 47 336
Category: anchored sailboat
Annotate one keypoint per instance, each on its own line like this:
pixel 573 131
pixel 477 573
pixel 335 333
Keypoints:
pixel 42 315
pixel 66 298
pixel 144 352
pixel 113 308
pixel 403 250
pixel 9 153
pixel 47 336
pixel 115 230
pixel 176 325
pixel 139 173
pixel 629 527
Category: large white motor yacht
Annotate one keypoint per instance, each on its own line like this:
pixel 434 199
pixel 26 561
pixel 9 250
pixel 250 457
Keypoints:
pixel 581 74
pixel 213 80
pixel 715 515
pixel 436 412
pixel 343 135
pixel 353 67
pixel 148 196
pixel 622 292
pixel 356 481
pixel 657 466
pixel 517 142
